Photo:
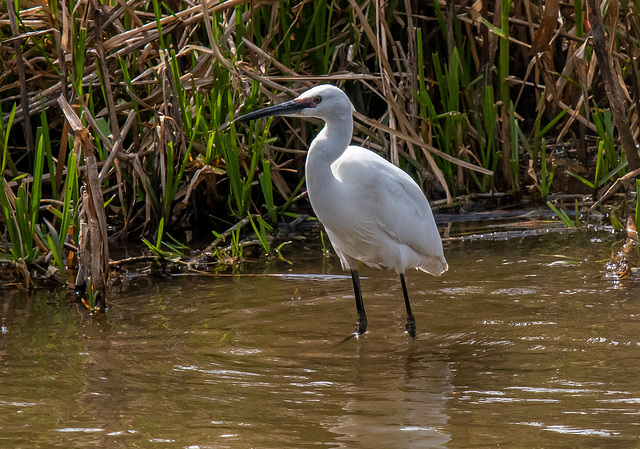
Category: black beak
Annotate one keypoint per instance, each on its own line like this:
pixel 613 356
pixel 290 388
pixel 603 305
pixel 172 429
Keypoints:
pixel 287 108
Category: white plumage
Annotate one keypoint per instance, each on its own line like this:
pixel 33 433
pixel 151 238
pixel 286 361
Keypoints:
pixel 373 211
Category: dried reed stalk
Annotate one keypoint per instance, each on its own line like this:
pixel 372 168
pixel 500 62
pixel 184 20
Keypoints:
pixel 93 250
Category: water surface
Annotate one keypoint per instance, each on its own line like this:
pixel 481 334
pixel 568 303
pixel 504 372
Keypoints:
pixel 515 348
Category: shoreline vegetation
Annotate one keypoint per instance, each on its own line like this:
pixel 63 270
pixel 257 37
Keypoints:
pixel 116 117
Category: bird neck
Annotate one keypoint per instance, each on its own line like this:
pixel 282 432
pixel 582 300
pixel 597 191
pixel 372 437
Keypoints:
pixel 331 141
pixel 326 148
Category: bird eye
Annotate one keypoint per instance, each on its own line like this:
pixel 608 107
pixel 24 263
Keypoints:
pixel 317 99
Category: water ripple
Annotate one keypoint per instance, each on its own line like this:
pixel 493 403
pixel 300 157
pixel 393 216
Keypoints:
pixel 570 429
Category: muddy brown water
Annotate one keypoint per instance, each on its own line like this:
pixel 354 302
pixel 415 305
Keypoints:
pixel 516 348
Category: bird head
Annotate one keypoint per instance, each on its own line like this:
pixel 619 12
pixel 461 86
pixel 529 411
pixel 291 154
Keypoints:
pixel 325 102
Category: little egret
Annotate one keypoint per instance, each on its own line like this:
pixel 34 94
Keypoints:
pixel 372 211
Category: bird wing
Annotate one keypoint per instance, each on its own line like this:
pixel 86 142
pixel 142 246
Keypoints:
pixel 404 213
pixel 389 199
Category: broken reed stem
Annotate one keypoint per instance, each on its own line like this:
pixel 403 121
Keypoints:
pixel 24 99
pixel 616 185
pixel 93 251
pixel 98 16
pixel 227 233
pixel 117 146
pixel 505 96
pixel 611 85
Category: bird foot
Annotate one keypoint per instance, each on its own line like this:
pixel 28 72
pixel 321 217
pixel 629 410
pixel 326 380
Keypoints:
pixel 411 326
pixel 361 327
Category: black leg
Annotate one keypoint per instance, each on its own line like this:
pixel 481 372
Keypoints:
pixel 411 321
pixel 361 324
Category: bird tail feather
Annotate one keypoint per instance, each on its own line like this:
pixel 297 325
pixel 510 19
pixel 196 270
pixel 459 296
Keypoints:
pixel 435 267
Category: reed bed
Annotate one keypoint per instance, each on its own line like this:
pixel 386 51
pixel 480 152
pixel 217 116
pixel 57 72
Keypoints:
pixel 116 114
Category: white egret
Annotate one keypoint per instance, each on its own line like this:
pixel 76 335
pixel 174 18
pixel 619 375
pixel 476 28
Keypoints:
pixel 372 211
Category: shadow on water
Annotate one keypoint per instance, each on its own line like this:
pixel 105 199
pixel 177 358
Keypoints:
pixel 515 348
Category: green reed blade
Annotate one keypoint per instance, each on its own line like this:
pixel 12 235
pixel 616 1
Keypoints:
pixel 232 165
pixel 51 163
pixel 36 188
pixel 578 16
pixel 284 207
pixel 637 215
pixel 260 233
pixel 267 190
pixel 55 245
pixel 562 215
